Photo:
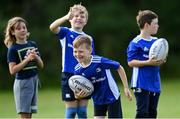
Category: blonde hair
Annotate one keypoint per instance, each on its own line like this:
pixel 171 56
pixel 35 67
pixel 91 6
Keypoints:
pixel 82 39
pixel 81 8
pixel 9 37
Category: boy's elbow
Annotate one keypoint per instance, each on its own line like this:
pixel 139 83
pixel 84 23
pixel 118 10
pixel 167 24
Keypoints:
pixel 12 72
pixel 130 64
pixel 51 28
pixel 41 66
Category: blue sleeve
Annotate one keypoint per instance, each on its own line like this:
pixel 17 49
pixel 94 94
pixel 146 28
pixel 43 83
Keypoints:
pixel 109 64
pixel 62 33
pixel 132 51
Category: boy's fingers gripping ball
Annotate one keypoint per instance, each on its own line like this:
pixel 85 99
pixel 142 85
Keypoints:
pixel 78 83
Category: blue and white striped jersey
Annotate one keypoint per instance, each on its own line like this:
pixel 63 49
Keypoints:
pixel 98 72
pixel 146 77
pixel 66 37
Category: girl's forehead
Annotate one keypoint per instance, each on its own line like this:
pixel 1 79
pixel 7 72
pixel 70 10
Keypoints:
pixel 18 24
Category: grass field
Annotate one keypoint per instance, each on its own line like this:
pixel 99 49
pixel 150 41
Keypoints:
pixel 51 106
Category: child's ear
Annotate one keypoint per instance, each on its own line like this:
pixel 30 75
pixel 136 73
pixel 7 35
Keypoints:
pixel 146 25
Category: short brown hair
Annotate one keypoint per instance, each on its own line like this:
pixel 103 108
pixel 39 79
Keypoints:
pixel 82 39
pixel 145 16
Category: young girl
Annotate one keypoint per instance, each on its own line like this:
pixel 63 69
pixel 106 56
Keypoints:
pixel 24 60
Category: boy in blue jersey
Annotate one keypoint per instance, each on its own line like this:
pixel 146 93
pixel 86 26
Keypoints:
pixel 146 77
pixel 77 16
pixel 23 60
pixel 106 95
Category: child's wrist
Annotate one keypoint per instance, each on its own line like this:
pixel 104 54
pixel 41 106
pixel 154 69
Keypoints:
pixel 126 88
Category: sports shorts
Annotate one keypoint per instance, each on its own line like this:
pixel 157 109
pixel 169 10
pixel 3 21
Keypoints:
pixel 25 94
pixel 114 109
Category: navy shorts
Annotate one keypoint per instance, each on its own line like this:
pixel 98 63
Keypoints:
pixel 67 93
pixel 114 109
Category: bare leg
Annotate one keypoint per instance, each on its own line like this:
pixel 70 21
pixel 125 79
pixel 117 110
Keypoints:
pixel 71 104
pixel 83 102
pixel 71 109
pixel 25 115
pixel 99 117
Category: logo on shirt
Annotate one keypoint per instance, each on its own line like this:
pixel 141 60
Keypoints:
pixel 146 56
pixel 83 74
pixel 72 36
pixel 93 78
pixel 68 95
pixel 99 80
pixel 98 69
pixel 22 53
pixel 146 49
pixel 70 45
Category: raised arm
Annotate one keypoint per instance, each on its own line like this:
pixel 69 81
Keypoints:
pixel 54 27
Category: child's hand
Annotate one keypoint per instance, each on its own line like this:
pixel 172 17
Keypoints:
pixel 81 94
pixel 32 54
pixel 128 93
pixel 155 62
pixel 70 14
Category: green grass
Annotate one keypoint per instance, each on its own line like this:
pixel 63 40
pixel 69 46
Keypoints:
pixel 51 106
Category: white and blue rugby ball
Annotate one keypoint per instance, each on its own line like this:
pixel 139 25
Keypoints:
pixel 159 49
pixel 78 83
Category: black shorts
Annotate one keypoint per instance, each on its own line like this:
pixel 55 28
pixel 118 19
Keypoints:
pixel 114 109
pixel 67 93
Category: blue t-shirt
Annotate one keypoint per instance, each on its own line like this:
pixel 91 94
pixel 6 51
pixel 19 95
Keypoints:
pixel 98 72
pixel 66 37
pixel 146 77
pixel 17 53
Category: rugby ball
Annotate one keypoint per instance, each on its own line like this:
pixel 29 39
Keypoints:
pixel 78 83
pixel 159 49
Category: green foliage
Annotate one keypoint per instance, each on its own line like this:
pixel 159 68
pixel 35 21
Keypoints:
pixel 111 23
